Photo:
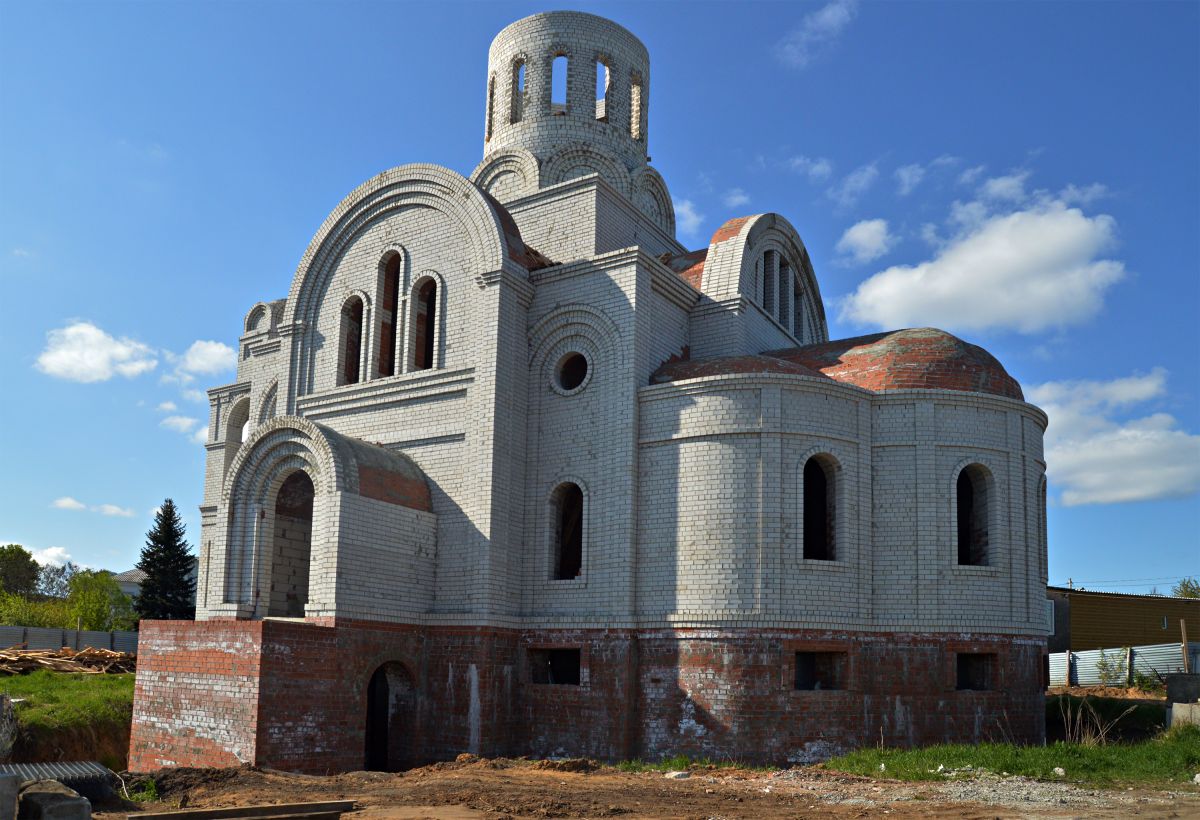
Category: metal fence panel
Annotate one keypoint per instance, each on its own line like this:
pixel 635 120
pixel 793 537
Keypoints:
pixel 38 637
pixel 125 642
pixel 11 636
pixel 1152 660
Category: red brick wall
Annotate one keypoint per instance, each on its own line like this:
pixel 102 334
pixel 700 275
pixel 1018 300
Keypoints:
pixel 293 695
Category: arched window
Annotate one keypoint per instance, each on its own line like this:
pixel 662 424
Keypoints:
pixel 491 108
pixel 603 81
pixel 558 84
pixel 567 504
pixel 351 341
pixel 291 547
pixel 388 310
pixel 635 105
pixel 971 491
pixel 798 312
pixel 424 324
pixel 785 292
pixel 770 263
pixel 516 106
pixel 820 510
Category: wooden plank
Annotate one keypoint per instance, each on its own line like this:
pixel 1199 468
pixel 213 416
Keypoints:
pixel 332 807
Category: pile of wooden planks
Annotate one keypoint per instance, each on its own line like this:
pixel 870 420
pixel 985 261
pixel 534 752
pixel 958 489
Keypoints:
pixel 18 660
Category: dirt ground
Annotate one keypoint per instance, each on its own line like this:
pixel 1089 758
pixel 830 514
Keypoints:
pixel 475 788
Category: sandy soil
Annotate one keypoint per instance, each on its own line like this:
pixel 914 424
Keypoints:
pixel 475 788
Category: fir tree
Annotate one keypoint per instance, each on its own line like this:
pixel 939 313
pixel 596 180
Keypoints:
pixel 168 591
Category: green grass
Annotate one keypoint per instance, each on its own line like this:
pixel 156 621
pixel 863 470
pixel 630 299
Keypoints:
pixel 55 700
pixel 680 763
pixel 72 716
pixel 1172 757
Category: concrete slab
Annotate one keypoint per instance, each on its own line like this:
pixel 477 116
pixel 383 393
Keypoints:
pixel 10 784
pixel 51 800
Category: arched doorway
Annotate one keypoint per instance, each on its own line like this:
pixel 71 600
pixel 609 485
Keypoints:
pixel 391 705
pixel 291 547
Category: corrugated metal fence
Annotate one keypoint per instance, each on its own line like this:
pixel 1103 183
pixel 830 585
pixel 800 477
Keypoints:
pixel 1156 659
pixel 37 637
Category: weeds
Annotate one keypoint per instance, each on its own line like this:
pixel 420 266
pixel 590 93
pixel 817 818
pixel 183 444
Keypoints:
pixel 1083 724
pixel 679 763
pixel 148 793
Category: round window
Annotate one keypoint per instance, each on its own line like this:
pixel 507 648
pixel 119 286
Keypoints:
pixel 571 372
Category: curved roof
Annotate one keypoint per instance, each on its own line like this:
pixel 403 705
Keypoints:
pixel 923 358
pixel 914 359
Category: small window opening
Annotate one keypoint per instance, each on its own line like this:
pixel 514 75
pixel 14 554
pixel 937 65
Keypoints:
pixel 603 80
pixel 424 324
pixel 785 292
pixel 635 106
pixel 352 319
pixel 554 666
pixel 1164 622
pixel 972 510
pixel 491 107
pixel 568 532
pixel 798 312
pixel 819 511
pixel 389 306
pixel 820 670
pixel 974 671
pixel 769 266
pixel 572 370
pixel 558 85
pixel 516 106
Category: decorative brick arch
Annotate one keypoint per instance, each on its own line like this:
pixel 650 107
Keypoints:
pixel 996 502
pixel 836 458
pixel 508 174
pixel 568 162
pixel 268 404
pixel 651 196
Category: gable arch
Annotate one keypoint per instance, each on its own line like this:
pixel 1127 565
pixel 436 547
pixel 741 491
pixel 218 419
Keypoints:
pixel 581 160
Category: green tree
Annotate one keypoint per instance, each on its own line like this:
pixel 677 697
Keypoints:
pixel 18 570
pixel 54 581
pixel 1187 588
pixel 97 602
pixel 168 591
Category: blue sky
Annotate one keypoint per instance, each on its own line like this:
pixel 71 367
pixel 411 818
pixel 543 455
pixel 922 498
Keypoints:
pixel 1026 175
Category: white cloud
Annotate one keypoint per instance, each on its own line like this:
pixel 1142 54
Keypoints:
pixel 113 509
pixel 866 240
pixel 180 424
pixel 971 175
pixel 201 435
pixel 208 358
pixel 192 394
pixel 687 217
pixel 167 407
pixel 817 170
pixel 22 253
pixel 1094 458
pixel 1010 188
pixel 82 352
pixel 816 33
pixel 68 503
pixel 735 198
pixel 908 177
pixel 1028 270
pixel 54 556
pixel 1086 195
pixel 854 185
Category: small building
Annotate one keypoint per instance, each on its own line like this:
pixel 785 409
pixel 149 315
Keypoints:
pixel 1084 619
pixel 130 581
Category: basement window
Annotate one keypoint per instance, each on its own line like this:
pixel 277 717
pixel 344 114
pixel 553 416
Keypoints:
pixel 557 667
pixel 974 671
pixel 820 670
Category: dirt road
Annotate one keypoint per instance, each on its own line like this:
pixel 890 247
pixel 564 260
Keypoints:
pixel 475 788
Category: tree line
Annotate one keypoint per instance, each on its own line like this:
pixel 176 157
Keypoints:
pixel 67 596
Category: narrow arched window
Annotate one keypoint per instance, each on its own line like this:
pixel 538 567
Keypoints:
pixel 603 81
pixel 389 305
pixel 770 263
pixel 558 84
pixel 516 106
pixel 567 506
pixel 971 491
pixel 491 108
pixel 635 105
pixel 798 313
pixel 785 292
pixel 820 490
pixel 424 324
pixel 351 341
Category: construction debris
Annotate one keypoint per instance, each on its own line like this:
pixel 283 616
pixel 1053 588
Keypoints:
pixel 18 660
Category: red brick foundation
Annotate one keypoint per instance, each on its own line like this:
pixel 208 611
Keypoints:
pixel 292 695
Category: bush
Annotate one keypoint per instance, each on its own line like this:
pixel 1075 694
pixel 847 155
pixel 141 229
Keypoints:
pixel 18 611
pixel 1113 669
